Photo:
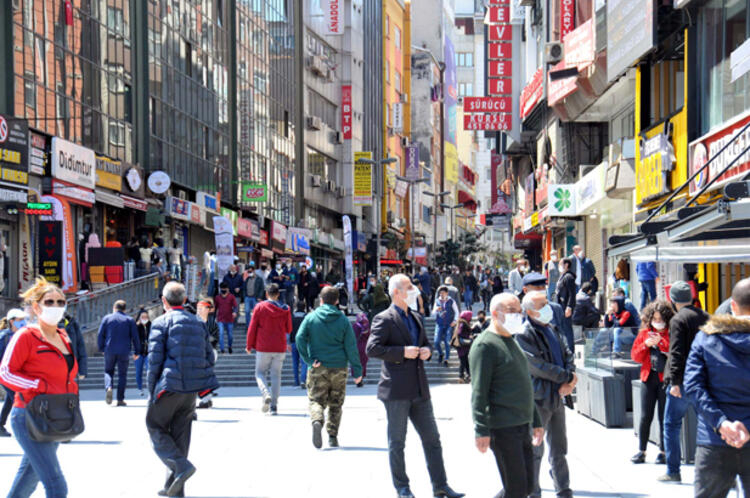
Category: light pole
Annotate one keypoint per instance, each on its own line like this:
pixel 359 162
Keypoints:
pixel 378 193
pixel 411 205
pixel 436 199
pixel 453 218
pixel 466 217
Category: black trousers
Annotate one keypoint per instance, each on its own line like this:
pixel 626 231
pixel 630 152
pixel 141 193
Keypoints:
pixel 515 460
pixel 717 468
pixel 463 366
pixel 556 435
pixel 652 393
pixel 10 396
pixel 121 361
pixel 169 420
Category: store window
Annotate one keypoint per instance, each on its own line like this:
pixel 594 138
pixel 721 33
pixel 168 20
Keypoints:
pixel 723 26
pixel 397 37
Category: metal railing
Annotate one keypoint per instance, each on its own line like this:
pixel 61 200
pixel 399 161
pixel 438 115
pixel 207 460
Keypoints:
pixel 88 309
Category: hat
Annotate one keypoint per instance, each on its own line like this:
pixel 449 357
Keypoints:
pixel 534 278
pixel 15 314
pixel 465 315
pixel 252 263
pixel 680 292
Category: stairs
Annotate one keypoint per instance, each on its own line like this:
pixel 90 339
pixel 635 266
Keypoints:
pixel 238 369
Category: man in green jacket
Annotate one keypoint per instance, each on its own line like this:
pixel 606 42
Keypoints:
pixel 326 342
pixel 502 398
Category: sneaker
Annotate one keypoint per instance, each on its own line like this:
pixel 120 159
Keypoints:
pixel 302 386
pixel 230 349
pixel 206 403
pixel 121 403
pixel 333 441
pixel 221 351
pixel 266 404
pixel 274 411
pixel 440 359
pixel 661 458
pixel 639 457
pixel 445 363
pixel 4 432
pixel 670 478
pixel 142 392
pixel 316 436
pixel 108 396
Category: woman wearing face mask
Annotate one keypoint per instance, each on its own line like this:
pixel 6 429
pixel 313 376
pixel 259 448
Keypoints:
pixel 14 321
pixel 30 374
pixel 143 322
pixel 650 349
pixel 461 340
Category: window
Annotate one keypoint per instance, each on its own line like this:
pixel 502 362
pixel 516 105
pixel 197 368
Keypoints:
pixel 29 89
pixel 397 81
pixel 115 20
pixel 387 71
pixel 464 59
pixel 387 26
pixel 397 37
pixel 465 89
pixel 116 134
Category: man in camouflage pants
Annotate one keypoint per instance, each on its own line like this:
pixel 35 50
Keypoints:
pixel 326 342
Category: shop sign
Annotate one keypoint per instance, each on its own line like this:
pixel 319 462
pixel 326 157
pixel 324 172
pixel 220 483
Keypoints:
pixel 401 188
pixel 532 93
pixel 108 173
pixel 656 163
pixel 159 182
pixel 265 253
pixel 14 150
pixel 398 117
pixel 154 217
pixel 74 194
pixel 39 208
pixel 496 220
pixel 133 203
pixel 254 192
pixel 412 163
pixel 630 34
pixel 499 86
pixel 710 144
pixel 567 17
pixel 333 12
pixel 488 104
pixel 489 122
pixel 254 230
pixel 263 237
pixel 37 153
pixel 178 209
pixel 133 179
pixel 362 179
pixel 50 251
pixel 500 33
pixel 528 191
pixel 500 69
pixel 8 195
pixel 346 111
pixel 500 13
pixel 501 50
pixel 298 240
pixel 244 228
pixel 69 268
pixel 73 163
pixel 232 216
pixel 278 232
pixel 579 53
pixel 207 201
pixel 527 225
pixel 196 214
pixel 590 189
pixel 561 200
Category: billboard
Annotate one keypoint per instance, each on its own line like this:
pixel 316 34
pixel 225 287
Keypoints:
pixel 450 104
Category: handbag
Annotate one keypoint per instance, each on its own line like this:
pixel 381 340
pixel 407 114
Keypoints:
pixel 658 360
pixel 54 418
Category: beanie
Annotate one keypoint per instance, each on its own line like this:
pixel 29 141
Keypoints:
pixel 680 292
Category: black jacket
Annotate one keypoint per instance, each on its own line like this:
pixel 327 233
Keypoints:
pixel 470 283
pixel 76 343
pixel 143 333
pixel 585 313
pixel 566 290
pixel 546 376
pixel 400 378
pixel 235 282
pixel 683 327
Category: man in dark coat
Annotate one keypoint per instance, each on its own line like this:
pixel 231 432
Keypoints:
pixel 583 269
pixel 537 282
pixel 397 337
pixel 70 324
pixel 180 366
pixel 117 339
pixel 233 279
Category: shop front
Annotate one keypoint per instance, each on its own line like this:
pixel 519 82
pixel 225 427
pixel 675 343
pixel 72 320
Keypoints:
pixel 120 199
pixel 248 237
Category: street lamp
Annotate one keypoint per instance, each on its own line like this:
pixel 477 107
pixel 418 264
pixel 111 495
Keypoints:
pixel 411 183
pixel 436 198
pixel 453 219
pixel 378 187
pixel 466 217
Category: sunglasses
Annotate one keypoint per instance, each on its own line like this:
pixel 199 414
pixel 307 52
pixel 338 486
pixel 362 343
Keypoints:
pixel 51 302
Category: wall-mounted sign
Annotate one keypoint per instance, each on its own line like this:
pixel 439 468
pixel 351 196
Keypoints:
pixel 207 201
pixel 244 228
pixel 500 50
pixel 412 163
pixel 590 189
pixel 298 240
pixel 133 203
pixel 488 104
pixel 346 111
pixel 500 32
pixel 73 163
pixel 579 53
pixel 50 251
pixel 278 232
pixel 74 194
pixel 14 150
pixel 657 160
pixel 108 173
pixel 561 200
pixel 398 117
pixel 177 208
pixel 263 237
pixel 37 153
pixel 630 34
pixel 196 214
pixel 159 182
pixel 567 17
pixel 39 208
pixel 532 93
pixel 497 121
pixel 362 179
pixel 8 195
pixel 254 192
pixel 333 12
pixel 134 179
pixel 499 86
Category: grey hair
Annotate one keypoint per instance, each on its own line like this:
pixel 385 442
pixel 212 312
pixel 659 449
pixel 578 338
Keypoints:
pixel 500 299
pixel 528 300
pixel 174 293
pixel 395 283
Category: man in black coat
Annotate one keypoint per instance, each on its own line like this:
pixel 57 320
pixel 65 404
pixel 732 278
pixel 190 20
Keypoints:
pixel 537 282
pixel 398 338
pixel 75 335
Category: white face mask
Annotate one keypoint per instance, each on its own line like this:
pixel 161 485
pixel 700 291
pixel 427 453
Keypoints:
pixel 513 323
pixel 51 315
pixel 411 297
pixel 545 314
pixel 658 325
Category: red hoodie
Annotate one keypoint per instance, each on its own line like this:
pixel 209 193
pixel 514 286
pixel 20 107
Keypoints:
pixel 269 327
pixel 642 353
pixel 32 366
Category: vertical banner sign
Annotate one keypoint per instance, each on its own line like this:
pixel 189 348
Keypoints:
pixel 332 10
pixel 346 111
pixel 362 180
pixel 348 249
pixel 412 163
pixel 50 251
pixel 567 17
pixel 450 101
pixel 61 212
pixel 224 245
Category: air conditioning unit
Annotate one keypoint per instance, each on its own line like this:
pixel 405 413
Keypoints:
pixel 331 186
pixel 314 123
pixel 404 98
pixel 390 218
pixel 315 181
pixel 181 195
pixel 527 3
pixel 317 65
pixel 553 52
pixel 404 141
pixel 339 137
pixel 341 191
pixel 330 74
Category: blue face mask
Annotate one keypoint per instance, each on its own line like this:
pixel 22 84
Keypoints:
pixel 545 314
pixel 19 324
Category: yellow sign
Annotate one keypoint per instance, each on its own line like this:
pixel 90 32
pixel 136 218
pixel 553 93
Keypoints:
pixel 108 173
pixel 451 163
pixel 362 180
pixel 15 176
pixel 535 219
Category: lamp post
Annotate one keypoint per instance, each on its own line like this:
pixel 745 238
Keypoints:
pixel 453 218
pixel 377 165
pixel 466 217
pixel 436 199
pixel 411 205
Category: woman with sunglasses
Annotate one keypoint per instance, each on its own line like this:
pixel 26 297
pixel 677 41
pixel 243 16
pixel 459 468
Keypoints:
pixel 38 360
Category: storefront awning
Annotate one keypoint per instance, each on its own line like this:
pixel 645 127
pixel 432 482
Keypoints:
pixel 694 253
pixel 721 221
pixel 467 200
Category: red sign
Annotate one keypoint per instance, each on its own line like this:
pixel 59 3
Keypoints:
pixel 496 122
pixel 500 69
pixel 500 86
pixel 499 14
pixel 263 237
pixel 501 32
pixel 567 17
pixel 709 145
pixel 133 203
pixel 346 111
pixel 532 93
pixel 195 214
pixel 500 50
pixel 579 52
pixel 245 228
pixel 488 104
pixel 499 2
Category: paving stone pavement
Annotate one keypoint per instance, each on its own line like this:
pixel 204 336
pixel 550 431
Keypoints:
pixel 241 452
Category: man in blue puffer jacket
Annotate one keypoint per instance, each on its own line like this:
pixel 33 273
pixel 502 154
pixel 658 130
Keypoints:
pixel 180 366
pixel 717 381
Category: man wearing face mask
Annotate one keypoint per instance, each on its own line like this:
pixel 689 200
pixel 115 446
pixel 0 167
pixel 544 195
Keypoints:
pixel 536 282
pixel 553 374
pixel 118 336
pixel 502 398
pixel 397 337
pixel 584 268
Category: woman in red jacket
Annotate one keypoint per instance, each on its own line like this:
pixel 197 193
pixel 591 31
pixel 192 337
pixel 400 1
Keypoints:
pixel 38 360
pixel 650 349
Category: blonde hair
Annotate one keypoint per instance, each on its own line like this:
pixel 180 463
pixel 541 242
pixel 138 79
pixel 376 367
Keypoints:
pixel 36 292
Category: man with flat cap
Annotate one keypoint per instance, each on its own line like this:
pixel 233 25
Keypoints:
pixel 537 282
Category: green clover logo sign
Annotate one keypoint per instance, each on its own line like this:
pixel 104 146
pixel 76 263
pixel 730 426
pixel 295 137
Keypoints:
pixel 562 197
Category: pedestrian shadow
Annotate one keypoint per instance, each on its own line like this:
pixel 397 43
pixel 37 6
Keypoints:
pixel 105 443
pixel 298 415
pixel 10 455
pixel 355 448
pixel 219 421
pixel 229 408
pixel 607 494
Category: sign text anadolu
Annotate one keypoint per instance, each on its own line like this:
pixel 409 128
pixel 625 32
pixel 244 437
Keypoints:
pixel 334 16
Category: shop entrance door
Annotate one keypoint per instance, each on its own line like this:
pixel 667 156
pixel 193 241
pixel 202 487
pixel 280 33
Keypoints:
pixel 6 260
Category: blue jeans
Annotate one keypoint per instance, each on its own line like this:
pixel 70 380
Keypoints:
pixel 212 285
pixel 228 328
pixel 623 340
pixel 176 271
pixel 443 337
pixel 250 303
pixel 39 463
pixel 121 361
pixel 298 364
pixel 673 414
pixel 468 298
pixel 648 288
pixel 139 364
